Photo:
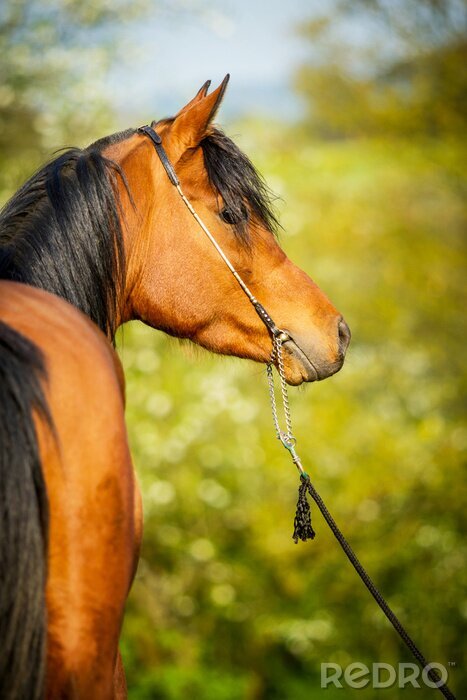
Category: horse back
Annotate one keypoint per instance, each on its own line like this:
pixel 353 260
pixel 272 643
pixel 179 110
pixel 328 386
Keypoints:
pixel 93 514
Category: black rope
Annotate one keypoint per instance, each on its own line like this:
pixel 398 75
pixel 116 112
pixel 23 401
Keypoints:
pixel 432 673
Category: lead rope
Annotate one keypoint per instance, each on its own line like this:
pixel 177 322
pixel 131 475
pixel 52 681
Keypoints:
pixel 302 522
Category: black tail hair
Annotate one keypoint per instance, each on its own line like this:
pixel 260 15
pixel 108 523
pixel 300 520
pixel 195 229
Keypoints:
pixel 23 519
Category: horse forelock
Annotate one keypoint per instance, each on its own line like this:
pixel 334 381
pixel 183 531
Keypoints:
pixel 235 178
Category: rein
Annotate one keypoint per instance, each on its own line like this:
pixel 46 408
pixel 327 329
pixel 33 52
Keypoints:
pixel 302 523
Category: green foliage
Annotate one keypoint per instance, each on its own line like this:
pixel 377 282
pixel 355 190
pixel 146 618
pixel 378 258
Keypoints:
pixel 54 58
pixel 386 68
pixel 224 604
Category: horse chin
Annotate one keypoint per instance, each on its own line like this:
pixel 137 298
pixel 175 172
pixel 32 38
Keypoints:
pixel 298 367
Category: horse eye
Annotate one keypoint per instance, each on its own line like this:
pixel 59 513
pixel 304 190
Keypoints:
pixel 233 218
pixel 229 217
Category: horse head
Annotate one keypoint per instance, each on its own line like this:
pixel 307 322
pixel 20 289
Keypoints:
pixel 175 279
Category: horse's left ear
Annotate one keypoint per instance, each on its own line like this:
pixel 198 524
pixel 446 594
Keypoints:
pixel 191 123
pixel 202 92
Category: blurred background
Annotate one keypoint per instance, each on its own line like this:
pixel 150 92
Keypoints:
pixel 355 112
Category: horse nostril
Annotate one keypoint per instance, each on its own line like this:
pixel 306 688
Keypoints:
pixel 344 336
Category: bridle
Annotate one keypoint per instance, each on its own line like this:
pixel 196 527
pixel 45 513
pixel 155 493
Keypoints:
pixel 278 335
pixel 302 522
pixel 259 308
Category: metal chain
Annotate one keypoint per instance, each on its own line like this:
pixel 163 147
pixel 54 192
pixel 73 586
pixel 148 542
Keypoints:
pixel 276 356
pixel 277 349
pixel 272 396
pixel 286 437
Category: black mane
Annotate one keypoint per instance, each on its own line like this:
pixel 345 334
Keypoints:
pixel 61 231
pixel 238 182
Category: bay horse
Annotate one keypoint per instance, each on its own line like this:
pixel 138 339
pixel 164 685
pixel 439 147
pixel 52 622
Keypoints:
pixel 96 238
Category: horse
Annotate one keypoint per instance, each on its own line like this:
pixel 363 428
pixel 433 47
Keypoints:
pixel 98 237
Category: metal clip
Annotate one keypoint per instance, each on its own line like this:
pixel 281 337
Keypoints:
pixel 289 444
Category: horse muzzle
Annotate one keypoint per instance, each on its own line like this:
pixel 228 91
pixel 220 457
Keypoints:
pixel 307 359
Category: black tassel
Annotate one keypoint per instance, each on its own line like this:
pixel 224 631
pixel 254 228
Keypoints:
pixel 302 522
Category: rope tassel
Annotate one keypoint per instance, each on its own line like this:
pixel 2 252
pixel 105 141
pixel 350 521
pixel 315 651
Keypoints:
pixel 303 529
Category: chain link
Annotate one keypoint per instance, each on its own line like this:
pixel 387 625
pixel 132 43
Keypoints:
pixel 286 437
pixel 283 385
pixel 276 357
pixel 272 396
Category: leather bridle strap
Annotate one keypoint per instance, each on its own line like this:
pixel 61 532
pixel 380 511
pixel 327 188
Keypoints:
pixel 157 141
pixel 169 169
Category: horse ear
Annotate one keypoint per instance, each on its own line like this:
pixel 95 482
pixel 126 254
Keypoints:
pixel 191 123
pixel 202 92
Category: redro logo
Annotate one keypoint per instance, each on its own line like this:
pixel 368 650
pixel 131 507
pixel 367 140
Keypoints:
pixel 381 675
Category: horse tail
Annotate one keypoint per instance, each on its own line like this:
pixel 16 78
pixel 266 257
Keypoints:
pixel 23 519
